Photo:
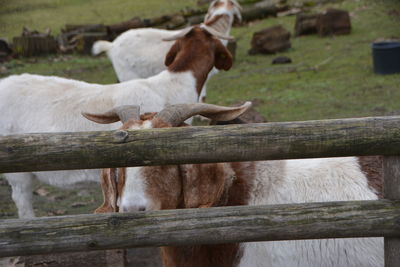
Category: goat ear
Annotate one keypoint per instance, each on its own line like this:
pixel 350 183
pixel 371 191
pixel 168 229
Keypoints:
pixel 109 188
pixel 223 58
pixel 203 184
pixel 170 57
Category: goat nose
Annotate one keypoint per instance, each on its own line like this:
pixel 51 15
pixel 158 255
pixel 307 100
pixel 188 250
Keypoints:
pixel 133 208
pixel 138 208
pixel 142 208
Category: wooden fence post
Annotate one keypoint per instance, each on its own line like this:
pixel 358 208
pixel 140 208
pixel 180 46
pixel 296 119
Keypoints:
pixel 391 168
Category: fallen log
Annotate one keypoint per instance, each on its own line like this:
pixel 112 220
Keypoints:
pixel 305 24
pixel 79 28
pixel 67 39
pixel 118 28
pixel 262 11
pixel 84 41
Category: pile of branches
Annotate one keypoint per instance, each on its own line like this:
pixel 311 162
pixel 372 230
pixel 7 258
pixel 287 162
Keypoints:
pixel 80 38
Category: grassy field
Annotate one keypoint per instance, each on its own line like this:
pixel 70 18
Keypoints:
pixel 54 14
pixel 330 77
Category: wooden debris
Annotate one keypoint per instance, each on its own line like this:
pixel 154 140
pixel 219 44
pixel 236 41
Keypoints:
pixel 261 11
pixel 121 27
pixel 305 24
pixel 270 40
pixel 289 12
pixel 176 22
pixel 5 50
pixel 333 22
pixel 152 22
pixel 34 45
pixel 84 41
pixel 81 37
pixel 79 28
pixel 84 34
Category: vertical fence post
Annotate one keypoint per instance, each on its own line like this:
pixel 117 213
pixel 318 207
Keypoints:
pixel 391 171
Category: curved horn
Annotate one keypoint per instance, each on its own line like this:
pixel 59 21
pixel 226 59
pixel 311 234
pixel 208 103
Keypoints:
pixel 177 114
pixel 179 34
pixel 121 113
pixel 216 33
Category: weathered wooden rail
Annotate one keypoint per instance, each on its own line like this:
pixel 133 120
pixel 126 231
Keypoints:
pixel 200 226
pixel 265 141
pixel 348 137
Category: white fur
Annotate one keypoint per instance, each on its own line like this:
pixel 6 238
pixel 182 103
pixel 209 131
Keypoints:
pixel 133 196
pixel 33 103
pixel 101 47
pixel 140 53
pixel 312 180
pixel 299 181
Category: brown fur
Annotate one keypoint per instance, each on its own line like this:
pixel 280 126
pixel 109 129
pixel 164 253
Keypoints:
pixel 220 4
pixel 224 255
pixel 372 166
pixel 147 116
pixel 131 123
pixel 109 188
pixel 121 183
pixel 200 186
pixel 191 186
pixel 199 52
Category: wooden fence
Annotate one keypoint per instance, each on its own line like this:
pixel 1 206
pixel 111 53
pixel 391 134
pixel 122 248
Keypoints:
pixel 269 141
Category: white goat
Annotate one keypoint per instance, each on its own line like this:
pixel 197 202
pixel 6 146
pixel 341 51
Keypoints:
pixel 33 103
pixel 242 183
pixel 139 53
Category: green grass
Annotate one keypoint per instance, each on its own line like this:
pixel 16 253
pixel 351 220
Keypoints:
pixel 54 14
pixel 330 77
pixel 86 68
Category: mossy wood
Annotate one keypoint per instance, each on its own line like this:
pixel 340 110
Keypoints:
pixel 259 12
pixel 391 170
pixel 200 226
pixel 264 141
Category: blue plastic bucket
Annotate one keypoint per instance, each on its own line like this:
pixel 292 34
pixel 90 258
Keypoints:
pixel 386 57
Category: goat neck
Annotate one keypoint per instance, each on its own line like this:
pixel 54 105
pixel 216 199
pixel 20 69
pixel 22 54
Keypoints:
pixel 221 23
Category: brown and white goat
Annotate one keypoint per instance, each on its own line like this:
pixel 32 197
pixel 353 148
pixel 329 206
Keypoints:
pixel 132 52
pixel 35 103
pixel 242 183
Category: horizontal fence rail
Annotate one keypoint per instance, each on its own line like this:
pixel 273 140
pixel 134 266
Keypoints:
pixel 200 226
pixel 267 141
